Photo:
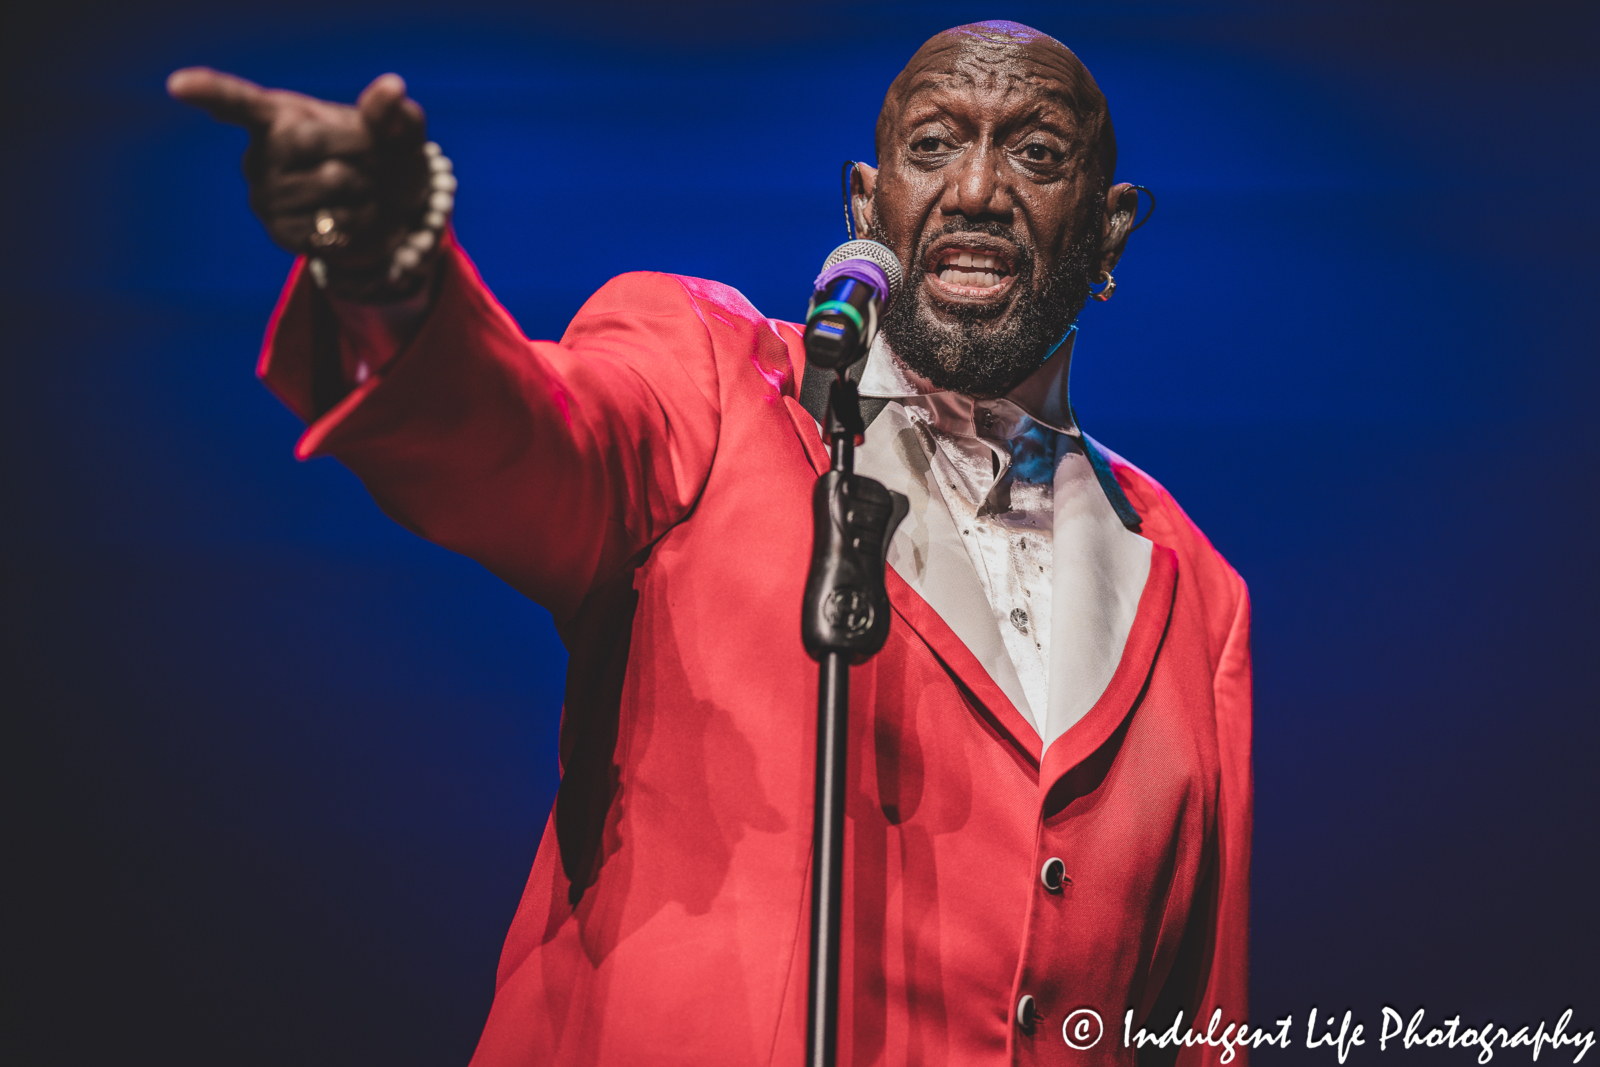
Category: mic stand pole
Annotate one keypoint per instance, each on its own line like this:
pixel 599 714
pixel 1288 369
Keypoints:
pixel 844 620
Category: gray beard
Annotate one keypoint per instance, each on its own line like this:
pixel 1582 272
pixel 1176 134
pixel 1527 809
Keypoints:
pixel 974 354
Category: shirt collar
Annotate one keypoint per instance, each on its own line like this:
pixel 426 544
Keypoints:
pixel 1041 397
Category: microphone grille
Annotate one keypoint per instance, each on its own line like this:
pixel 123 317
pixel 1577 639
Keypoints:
pixel 874 252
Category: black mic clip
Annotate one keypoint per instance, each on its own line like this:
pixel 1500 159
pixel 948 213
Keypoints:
pixel 846 607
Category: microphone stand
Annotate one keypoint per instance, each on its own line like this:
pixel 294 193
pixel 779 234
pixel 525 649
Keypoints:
pixel 844 621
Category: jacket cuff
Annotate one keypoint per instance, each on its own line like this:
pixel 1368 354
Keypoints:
pixel 316 348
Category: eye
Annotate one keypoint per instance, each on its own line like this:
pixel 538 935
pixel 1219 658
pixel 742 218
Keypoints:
pixel 929 143
pixel 1037 153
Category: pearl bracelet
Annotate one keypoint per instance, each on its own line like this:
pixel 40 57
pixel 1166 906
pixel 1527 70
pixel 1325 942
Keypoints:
pixel 441 202
pixel 418 243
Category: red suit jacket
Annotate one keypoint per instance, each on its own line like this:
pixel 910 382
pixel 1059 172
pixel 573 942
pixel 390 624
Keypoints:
pixel 648 479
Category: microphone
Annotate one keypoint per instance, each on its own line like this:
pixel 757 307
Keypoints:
pixel 858 280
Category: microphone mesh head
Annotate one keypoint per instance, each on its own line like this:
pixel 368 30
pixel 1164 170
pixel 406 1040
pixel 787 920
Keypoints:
pixel 876 253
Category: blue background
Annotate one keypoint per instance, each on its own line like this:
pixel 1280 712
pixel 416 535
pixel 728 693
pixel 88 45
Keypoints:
pixel 278 768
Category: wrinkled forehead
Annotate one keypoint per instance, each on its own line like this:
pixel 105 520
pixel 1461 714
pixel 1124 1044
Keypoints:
pixel 1021 69
pixel 1016 70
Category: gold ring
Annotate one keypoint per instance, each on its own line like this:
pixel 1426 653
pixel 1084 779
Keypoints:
pixel 325 232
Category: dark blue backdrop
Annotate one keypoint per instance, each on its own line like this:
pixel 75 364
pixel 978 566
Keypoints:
pixel 281 767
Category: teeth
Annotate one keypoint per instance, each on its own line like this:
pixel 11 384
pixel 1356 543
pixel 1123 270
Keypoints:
pixel 974 278
pixel 971 260
pixel 970 269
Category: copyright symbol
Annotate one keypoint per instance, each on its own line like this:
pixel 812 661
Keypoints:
pixel 1082 1029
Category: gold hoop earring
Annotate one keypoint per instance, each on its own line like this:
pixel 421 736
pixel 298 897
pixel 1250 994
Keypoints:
pixel 1110 287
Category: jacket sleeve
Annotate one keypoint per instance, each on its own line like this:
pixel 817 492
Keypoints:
pixel 552 464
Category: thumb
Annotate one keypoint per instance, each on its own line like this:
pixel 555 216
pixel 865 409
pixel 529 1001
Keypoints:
pixel 389 113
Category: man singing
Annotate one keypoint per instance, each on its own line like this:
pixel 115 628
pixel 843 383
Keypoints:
pixel 1048 815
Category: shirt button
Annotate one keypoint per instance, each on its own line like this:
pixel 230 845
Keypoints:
pixel 1054 875
pixel 1027 1013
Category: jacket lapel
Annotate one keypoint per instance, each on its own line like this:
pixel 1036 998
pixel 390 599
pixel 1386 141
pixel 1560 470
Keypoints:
pixel 1099 570
pixel 810 436
pixel 958 659
pixel 1122 693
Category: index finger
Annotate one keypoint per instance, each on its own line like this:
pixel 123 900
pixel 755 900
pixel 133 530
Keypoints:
pixel 224 97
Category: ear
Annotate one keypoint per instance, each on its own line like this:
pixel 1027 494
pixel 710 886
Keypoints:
pixel 863 180
pixel 1121 204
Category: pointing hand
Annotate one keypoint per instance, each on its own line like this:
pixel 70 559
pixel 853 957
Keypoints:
pixel 345 184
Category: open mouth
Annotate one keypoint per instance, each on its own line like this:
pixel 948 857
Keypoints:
pixel 969 272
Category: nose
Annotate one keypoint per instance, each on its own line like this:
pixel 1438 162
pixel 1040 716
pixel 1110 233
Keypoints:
pixel 975 188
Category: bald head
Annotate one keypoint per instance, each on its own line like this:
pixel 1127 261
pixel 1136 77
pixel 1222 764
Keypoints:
pixel 1005 58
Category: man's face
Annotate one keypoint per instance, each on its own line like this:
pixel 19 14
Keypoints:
pixel 990 192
